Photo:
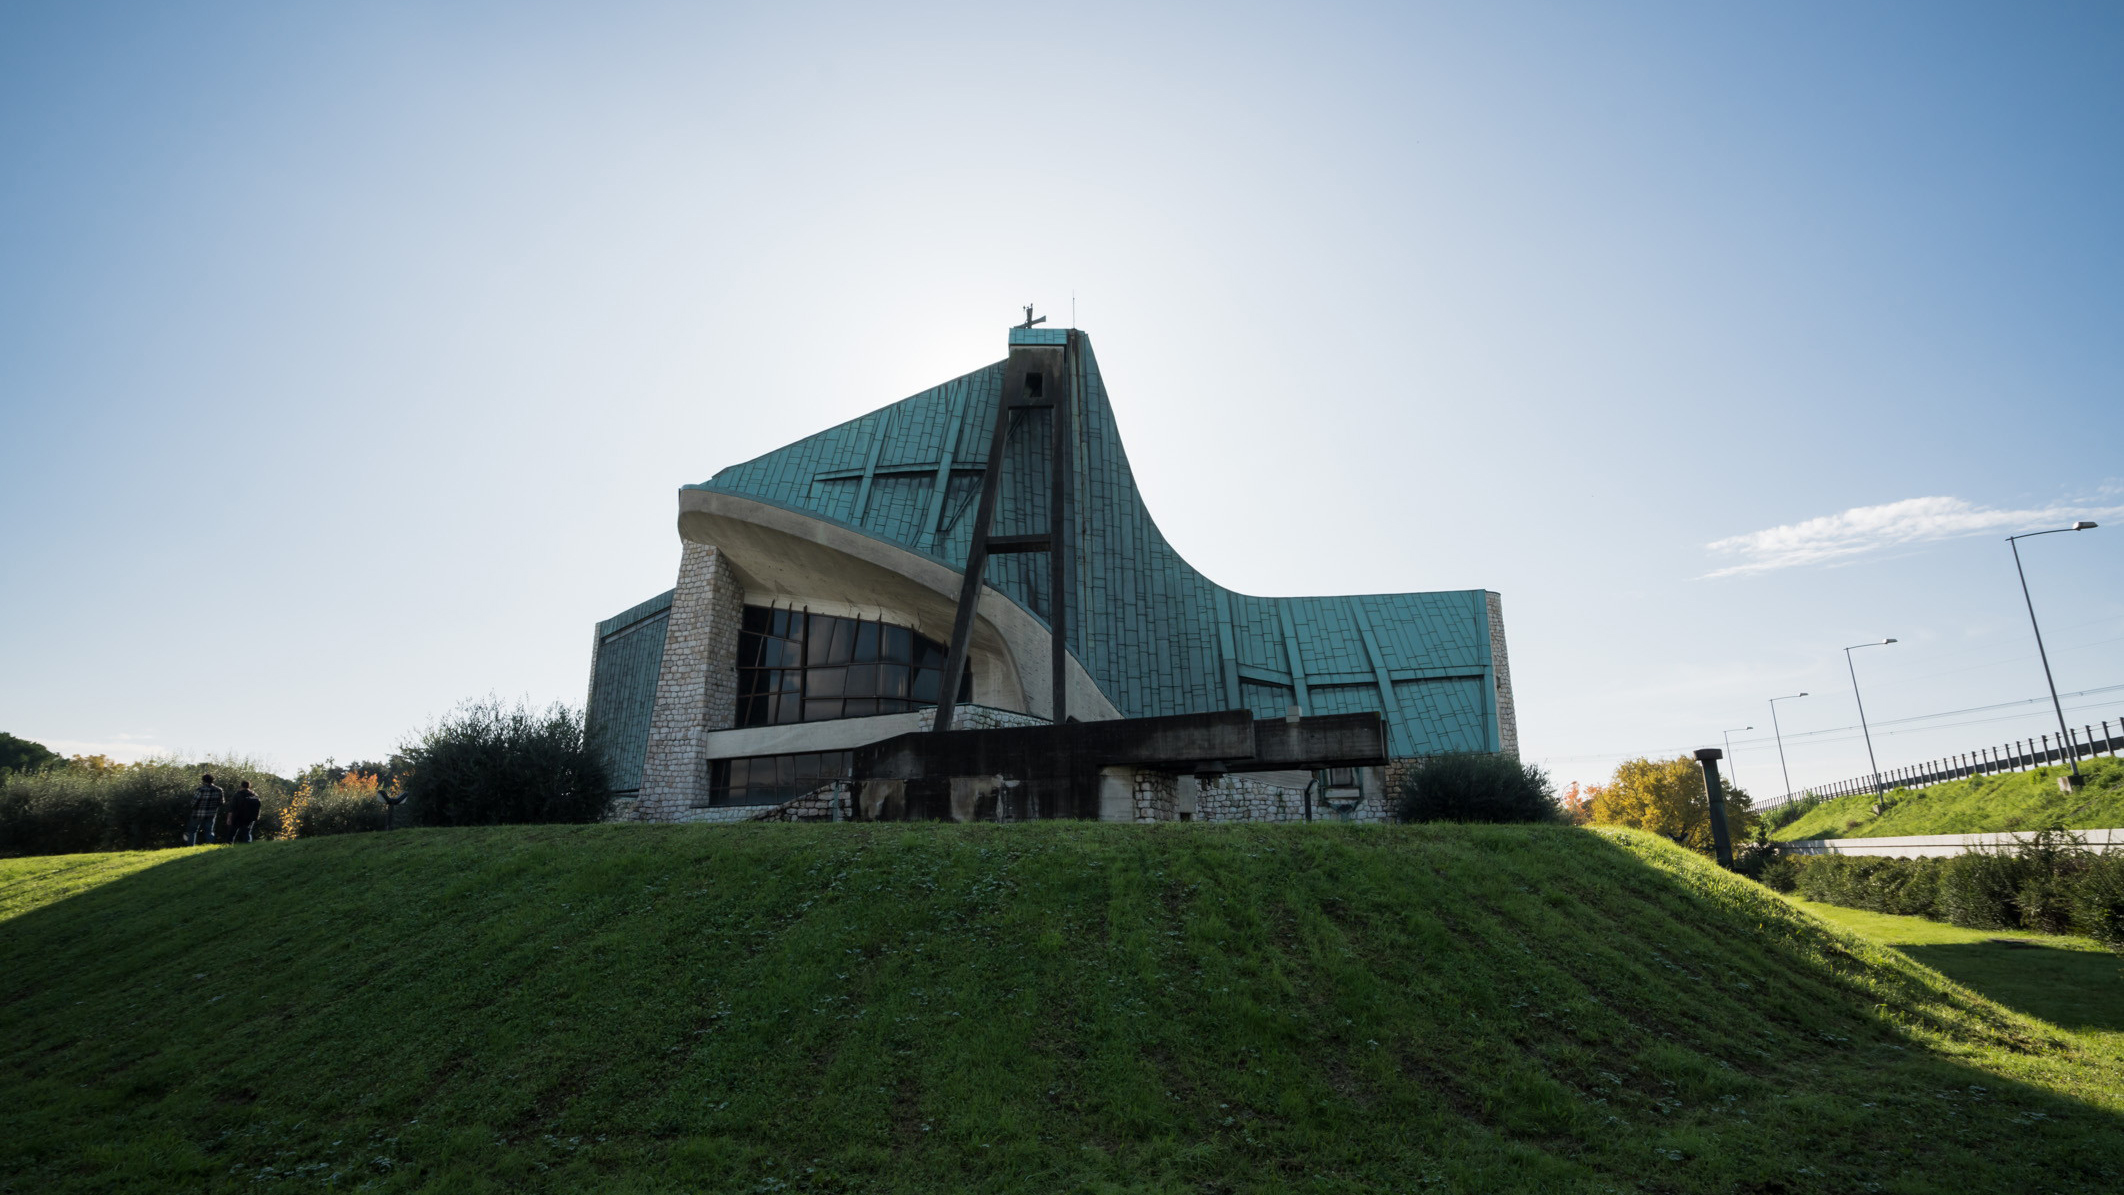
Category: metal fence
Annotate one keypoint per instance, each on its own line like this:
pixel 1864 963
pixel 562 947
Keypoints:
pixel 2017 756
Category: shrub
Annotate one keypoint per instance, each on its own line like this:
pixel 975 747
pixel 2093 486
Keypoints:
pixel 1905 886
pixel 2044 903
pixel 50 813
pixel 143 806
pixel 348 805
pixel 1781 873
pixel 488 764
pixel 2050 883
pixel 1754 859
pixel 2098 901
pixel 1980 890
pixel 1470 787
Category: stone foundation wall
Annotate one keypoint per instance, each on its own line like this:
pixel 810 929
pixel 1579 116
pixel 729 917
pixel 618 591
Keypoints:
pixel 980 717
pixel 1240 798
pixel 828 804
pixel 1156 796
pixel 1236 798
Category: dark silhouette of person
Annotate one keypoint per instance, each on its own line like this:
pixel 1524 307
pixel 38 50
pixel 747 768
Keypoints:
pixel 243 814
pixel 206 810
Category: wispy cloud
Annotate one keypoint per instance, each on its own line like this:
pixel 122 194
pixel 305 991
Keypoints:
pixel 1832 539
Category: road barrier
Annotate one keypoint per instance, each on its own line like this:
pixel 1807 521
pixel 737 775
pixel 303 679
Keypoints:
pixel 2017 756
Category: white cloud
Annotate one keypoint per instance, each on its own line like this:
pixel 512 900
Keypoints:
pixel 1834 538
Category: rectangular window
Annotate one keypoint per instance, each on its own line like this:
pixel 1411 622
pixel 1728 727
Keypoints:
pixel 794 666
pixel 773 779
pixel 1342 777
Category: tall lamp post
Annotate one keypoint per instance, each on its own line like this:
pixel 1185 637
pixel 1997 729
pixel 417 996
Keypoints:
pixel 1863 729
pixel 2064 736
pixel 1779 732
pixel 1734 765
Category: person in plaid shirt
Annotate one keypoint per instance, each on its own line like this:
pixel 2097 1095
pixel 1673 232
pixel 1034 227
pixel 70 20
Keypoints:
pixel 206 810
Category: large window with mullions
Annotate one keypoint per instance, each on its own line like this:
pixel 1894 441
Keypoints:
pixel 799 667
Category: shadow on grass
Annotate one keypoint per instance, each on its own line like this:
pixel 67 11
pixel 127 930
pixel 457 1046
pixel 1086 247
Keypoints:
pixel 2075 989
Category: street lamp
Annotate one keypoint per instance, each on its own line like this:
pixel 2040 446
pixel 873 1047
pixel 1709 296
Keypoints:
pixel 1779 732
pixel 1870 761
pixel 1730 755
pixel 2064 737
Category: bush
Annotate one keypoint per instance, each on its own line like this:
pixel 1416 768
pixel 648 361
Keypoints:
pixel 1980 890
pixel 1781 873
pixel 2098 901
pixel 1469 787
pixel 349 805
pixel 1754 859
pixel 140 807
pixel 1905 886
pixel 487 764
pixel 2049 883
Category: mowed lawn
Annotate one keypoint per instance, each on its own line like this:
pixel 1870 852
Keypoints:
pixel 1056 1007
pixel 2073 983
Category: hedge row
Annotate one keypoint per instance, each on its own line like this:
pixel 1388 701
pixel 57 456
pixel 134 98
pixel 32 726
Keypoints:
pixel 2050 884
pixel 146 806
pixel 485 764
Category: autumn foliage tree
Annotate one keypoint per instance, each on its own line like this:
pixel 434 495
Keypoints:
pixel 1667 797
pixel 1577 802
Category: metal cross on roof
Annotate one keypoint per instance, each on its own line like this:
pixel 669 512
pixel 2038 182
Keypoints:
pixel 1029 320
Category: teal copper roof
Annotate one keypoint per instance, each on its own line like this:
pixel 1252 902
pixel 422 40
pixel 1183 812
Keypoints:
pixel 1156 635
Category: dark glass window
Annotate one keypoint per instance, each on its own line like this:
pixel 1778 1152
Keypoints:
pixel 1342 777
pixel 773 779
pixel 795 666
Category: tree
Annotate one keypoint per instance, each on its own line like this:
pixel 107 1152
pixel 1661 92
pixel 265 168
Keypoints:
pixel 1468 787
pixel 489 764
pixel 1667 797
pixel 1578 800
pixel 21 755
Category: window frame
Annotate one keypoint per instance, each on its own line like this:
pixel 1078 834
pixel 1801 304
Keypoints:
pixel 796 666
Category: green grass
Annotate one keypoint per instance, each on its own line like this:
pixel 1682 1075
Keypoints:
pixel 1978 805
pixel 2070 982
pixel 1054 1007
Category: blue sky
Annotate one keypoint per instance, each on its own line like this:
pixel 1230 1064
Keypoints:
pixel 350 356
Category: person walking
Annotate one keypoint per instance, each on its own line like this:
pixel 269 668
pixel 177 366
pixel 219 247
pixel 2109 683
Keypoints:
pixel 243 814
pixel 206 810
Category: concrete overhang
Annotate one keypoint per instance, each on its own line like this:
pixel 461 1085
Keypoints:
pixel 791 558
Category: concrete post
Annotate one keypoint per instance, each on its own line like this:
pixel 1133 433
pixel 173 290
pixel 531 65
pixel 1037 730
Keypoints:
pixel 1720 840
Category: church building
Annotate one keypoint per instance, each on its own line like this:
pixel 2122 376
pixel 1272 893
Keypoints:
pixel 978 554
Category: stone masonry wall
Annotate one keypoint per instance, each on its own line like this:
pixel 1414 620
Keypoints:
pixel 696 690
pixel 980 717
pixel 1237 798
pixel 1507 714
pixel 1156 796
pixel 1234 798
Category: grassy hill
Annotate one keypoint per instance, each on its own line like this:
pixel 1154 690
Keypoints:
pixel 1979 805
pixel 1057 1007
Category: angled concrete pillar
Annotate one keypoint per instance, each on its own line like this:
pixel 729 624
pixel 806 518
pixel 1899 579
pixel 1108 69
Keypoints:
pixel 1507 713
pixel 696 690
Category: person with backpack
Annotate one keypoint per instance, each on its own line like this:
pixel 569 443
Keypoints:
pixel 206 810
pixel 243 814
